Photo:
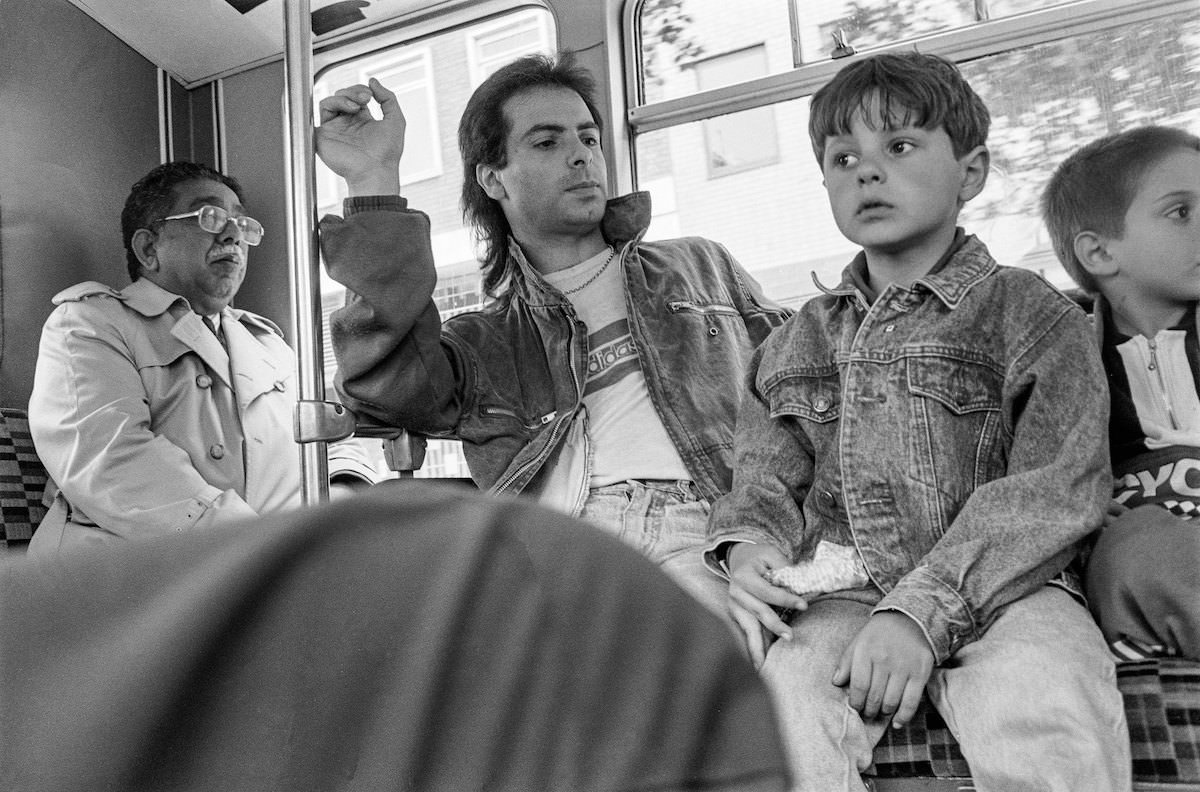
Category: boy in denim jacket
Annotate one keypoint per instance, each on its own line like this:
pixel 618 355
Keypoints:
pixel 931 431
pixel 1122 213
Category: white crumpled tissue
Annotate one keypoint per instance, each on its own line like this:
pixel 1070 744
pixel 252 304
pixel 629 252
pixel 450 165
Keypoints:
pixel 833 567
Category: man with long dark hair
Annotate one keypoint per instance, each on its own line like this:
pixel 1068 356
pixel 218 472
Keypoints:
pixel 604 374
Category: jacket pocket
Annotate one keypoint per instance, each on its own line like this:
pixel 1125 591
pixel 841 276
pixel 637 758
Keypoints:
pixel 703 308
pixel 814 396
pixel 505 415
pixel 956 414
pixel 959 386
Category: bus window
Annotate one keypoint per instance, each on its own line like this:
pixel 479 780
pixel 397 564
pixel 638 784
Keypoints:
pixel 433 78
pixel 677 34
pixel 721 141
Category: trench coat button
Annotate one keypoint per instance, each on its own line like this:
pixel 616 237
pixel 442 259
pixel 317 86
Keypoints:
pixel 203 381
pixel 280 386
pixel 828 499
pixel 216 450
pixel 822 404
pixel 712 331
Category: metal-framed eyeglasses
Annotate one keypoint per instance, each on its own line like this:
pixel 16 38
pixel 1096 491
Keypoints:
pixel 213 219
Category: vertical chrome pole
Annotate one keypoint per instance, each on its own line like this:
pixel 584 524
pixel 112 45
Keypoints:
pixel 303 252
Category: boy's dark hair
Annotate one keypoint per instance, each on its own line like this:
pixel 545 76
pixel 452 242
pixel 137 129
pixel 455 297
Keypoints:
pixel 1093 188
pixel 483 133
pixel 911 88
pixel 153 197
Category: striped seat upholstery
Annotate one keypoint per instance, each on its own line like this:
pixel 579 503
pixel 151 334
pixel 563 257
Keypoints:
pixel 22 479
pixel 1162 705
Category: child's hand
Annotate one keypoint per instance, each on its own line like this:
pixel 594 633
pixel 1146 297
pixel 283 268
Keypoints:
pixel 886 666
pixel 751 596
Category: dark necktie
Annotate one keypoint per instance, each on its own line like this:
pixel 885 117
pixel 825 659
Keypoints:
pixel 216 330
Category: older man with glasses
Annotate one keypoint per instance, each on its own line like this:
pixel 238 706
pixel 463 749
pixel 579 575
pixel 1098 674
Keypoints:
pixel 160 408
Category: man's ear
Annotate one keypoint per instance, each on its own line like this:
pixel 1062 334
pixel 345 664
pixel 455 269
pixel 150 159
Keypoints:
pixel 489 179
pixel 143 247
pixel 1092 251
pixel 975 164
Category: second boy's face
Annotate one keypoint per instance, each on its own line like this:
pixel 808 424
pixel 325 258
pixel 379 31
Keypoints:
pixel 897 192
pixel 1159 253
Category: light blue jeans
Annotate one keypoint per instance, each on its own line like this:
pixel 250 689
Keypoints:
pixel 667 521
pixel 1033 703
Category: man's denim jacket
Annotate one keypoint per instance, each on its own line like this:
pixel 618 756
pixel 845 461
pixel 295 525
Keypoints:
pixel 953 432
pixel 508 380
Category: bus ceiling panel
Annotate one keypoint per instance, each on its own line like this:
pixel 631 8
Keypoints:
pixel 197 41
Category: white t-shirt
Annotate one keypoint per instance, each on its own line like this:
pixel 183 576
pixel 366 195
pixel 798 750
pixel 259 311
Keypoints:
pixel 627 435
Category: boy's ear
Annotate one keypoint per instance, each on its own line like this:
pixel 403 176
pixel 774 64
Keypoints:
pixel 976 164
pixel 1092 251
pixel 489 179
pixel 142 244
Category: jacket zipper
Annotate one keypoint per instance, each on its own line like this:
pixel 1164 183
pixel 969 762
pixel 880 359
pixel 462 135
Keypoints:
pixel 1162 384
pixel 677 306
pixel 489 409
pixel 557 431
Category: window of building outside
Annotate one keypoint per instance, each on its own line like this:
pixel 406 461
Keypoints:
pixel 432 78
pixel 458 289
pixel 408 74
pixel 738 141
pixel 495 44
pixel 411 78
pixel 1048 93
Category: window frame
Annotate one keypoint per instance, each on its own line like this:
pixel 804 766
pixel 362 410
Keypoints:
pixel 413 27
pixel 475 62
pixel 989 37
pixel 423 56
pixel 767 159
pixel 410 35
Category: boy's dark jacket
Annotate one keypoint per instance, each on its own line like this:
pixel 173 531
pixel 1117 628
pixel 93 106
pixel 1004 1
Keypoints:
pixel 1155 455
pixel 954 432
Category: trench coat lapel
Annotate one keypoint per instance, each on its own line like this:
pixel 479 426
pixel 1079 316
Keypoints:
pixel 257 371
pixel 191 330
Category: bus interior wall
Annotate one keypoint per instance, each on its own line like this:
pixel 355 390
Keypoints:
pixel 81 124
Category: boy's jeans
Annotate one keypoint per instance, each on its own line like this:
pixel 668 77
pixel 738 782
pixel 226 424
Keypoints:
pixel 667 521
pixel 1033 703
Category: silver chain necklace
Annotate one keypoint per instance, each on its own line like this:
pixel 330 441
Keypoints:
pixel 612 251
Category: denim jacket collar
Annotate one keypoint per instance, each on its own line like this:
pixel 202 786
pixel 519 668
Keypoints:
pixel 968 265
pixel 625 220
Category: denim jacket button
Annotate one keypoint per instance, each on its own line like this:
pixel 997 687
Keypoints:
pixel 203 381
pixel 828 499
pixel 822 404
pixel 712 331
pixel 216 451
